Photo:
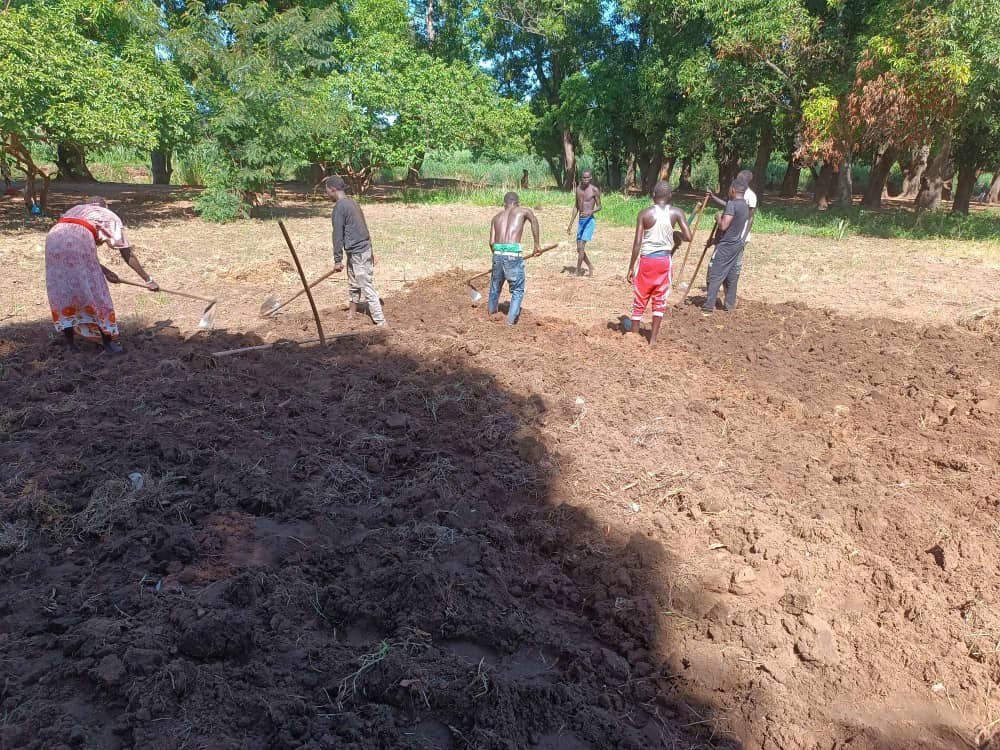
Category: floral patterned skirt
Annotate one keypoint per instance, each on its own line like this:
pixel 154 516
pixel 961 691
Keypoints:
pixel 78 292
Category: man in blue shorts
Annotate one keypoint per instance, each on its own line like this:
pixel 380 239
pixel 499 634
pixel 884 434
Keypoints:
pixel 588 203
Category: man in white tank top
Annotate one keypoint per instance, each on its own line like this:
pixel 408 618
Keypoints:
pixel 652 248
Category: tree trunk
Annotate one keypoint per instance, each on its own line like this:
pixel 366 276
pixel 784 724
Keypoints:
pixel 162 166
pixel 614 174
pixel 790 184
pixel 430 23
pixel 569 160
pixel 913 171
pixel 764 151
pixel 845 185
pixel 879 176
pixel 823 186
pixel 630 180
pixel 937 172
pixel 667 168
pixel 651 173
pixel 729 167
pixel 72 163
pixel 993 196
pixel 413 171
pixel 967 175
pixel 685 181
pixel 555 167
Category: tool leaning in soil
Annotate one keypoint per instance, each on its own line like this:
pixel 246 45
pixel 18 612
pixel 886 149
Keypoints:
pixel 708 243
pixel 305 284
pixel 271 306
pixel 207 315
pixel 475 295
pixel 297 342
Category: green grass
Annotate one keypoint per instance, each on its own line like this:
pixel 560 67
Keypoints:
pixel 118 164
pixel 895 223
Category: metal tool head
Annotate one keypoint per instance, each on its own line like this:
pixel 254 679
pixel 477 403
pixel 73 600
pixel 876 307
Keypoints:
pixel 207 321
pixel 268 307
pixel 474 295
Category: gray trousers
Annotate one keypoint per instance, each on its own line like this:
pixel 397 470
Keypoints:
pixel 361 285
pixel 723 272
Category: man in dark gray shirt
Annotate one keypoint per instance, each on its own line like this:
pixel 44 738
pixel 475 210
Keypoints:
pixel 727 261
pixel 350 235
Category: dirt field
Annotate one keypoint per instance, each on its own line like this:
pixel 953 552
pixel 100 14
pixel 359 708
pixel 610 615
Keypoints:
pixel 778 529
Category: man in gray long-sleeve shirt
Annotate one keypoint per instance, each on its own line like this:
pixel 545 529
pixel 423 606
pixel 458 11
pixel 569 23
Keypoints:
pixel 350 235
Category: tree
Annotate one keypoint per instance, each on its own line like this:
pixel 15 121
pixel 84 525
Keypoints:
pixel 977 138
pixel 255 69
pixel 910 79
pixel 62 79
pixel 535 47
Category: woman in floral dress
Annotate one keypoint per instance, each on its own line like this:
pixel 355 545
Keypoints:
pixel 77 283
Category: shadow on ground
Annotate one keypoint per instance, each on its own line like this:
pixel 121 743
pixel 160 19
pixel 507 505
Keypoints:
pixel 340 547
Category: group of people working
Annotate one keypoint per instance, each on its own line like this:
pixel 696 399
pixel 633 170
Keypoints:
pixel 659 231
pixel 81 304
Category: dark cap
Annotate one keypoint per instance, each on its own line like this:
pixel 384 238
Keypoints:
pixel 335 182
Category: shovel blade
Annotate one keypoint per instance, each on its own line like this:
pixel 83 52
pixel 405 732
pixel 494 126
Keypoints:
pixel 474 295
pixel 207 321
pixel 269 306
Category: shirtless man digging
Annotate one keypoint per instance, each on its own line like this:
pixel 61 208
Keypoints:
pixel 588 204
pixel 508 262
pixel 653 247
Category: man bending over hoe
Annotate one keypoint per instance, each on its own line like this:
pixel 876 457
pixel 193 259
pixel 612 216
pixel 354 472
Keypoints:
pixel 653 247
pixel 508 262
pixel 350 235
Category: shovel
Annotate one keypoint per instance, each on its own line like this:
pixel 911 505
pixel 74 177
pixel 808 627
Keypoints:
pixel 475 295
pixel 207 316
pixel 271 306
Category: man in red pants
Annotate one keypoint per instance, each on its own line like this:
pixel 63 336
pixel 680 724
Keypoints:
pixel 652 248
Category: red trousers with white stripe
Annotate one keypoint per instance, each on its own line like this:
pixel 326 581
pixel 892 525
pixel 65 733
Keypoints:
pixel 652 282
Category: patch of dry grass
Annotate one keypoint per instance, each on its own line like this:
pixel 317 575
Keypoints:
pixel 13 538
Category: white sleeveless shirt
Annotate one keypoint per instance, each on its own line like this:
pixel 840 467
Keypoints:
pixel 659 238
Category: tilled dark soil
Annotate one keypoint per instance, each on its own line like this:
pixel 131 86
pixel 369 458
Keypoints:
pixel 777 530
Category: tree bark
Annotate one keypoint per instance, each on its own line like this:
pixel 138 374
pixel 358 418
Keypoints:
pixel 72 163
pixel 937 172
pixel 823 183
pixel 844 194
pixel 555 167
pixel 162 166
pixel 651 173
pixel 413 171
pixel 569 160
pixel 993 196
pixel 790 184
pixel 630 180
pixel 614 173
pixel 685 181
pixel 879 176
pixel 729 167
pixel 764 151
pixel 430 23
pixel 913 171
pixel 967 175
pixel 667 168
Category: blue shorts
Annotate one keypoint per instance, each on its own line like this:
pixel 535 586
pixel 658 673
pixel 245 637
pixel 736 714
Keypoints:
pixel 585 229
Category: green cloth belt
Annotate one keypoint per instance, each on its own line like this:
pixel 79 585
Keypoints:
pixel 511 249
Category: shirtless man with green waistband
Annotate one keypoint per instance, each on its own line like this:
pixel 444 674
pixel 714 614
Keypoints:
pixel 508 262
